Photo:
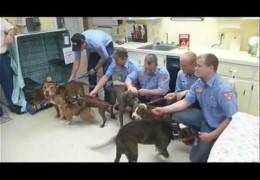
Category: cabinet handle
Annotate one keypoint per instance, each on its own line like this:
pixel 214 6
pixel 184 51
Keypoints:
pixel 244 92
pixel 233 71
pixel 252 87
pixel 164 61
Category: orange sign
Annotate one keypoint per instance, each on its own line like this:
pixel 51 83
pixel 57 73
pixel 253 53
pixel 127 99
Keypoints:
pixel 184 41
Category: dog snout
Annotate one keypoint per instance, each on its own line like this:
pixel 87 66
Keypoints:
pixel 135 116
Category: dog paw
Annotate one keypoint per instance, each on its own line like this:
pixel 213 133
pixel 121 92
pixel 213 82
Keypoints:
pixel 102 125
pixel 57 116
pixel 113 116
pixel 67 122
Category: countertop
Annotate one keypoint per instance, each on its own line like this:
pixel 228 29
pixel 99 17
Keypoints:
pixel 224 55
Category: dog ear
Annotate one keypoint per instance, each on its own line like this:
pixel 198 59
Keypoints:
pixel 60 88
pixel 125 95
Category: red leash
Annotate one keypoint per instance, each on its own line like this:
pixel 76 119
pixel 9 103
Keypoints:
pixel 156 100
pixel 95 101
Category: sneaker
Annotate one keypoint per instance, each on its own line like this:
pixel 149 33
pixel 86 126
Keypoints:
pixel 16 109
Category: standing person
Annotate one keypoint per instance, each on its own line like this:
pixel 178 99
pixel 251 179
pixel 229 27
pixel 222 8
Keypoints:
pixel 121 66
pixel 185 77
pixel 218 102
pixel 99 47
pixel 6 71
pixel 153 81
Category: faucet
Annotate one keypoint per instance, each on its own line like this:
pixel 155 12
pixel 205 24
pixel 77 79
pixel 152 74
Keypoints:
pixel 166 34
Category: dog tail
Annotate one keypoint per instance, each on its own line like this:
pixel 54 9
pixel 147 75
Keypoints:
pixel 109 141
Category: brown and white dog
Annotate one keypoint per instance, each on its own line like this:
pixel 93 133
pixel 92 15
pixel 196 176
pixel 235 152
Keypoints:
pixel 72 88
pixel 143 112
pixel 151 131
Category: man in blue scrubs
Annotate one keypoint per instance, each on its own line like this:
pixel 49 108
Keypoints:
pixel 218 102
pixel 153 81
pixel 121 66
pixel 99 46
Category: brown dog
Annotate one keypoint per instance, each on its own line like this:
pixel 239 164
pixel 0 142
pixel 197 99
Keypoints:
pixel 70 110
pixel 72 88
pixel 152 131
pixel 89 101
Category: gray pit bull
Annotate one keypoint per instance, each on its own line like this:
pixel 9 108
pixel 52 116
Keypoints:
pixel 124 99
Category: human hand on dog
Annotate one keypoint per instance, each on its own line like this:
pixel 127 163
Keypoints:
pixel 93 93
pixel 117 82
pixel 92 71
pixel 133 90
pixel 170 96
pixel 180 95
pixel 158 111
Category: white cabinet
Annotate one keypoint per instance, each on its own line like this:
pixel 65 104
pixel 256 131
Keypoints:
pixel 243 89
pixel 141 57
pixel 161 58
pixel 133 55
pixel 254 104
pixel 245 84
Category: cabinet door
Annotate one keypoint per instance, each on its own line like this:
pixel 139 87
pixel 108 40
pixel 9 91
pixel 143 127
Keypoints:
pixel 141 57
pixel 133 55
pixel 254 103
pixel 243 89
pixel 161 59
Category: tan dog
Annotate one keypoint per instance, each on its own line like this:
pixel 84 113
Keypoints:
pixel 72 88
pixel 70 110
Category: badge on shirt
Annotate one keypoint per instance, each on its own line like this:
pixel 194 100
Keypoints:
pixel 141 78
pixel 99 49
pixel 228 95
pixel 198 90
pixel 165 77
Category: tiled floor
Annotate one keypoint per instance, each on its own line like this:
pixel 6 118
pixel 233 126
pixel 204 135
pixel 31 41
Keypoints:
pixel 44 138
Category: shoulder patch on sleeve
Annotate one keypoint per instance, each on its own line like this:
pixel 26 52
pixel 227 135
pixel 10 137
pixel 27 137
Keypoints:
pixel 228 95
pixel 165 77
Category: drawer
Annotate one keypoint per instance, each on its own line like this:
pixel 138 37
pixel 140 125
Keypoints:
pixel 256 75
pixel 242 71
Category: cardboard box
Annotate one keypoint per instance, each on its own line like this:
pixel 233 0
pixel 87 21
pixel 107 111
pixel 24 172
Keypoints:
pixel 184 41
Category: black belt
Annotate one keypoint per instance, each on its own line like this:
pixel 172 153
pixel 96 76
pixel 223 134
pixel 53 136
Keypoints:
pixel 4 54
pixel 111 44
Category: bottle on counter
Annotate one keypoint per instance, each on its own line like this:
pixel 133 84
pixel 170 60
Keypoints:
pixel 254 50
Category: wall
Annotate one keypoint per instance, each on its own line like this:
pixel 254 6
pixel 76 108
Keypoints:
pixel 204 33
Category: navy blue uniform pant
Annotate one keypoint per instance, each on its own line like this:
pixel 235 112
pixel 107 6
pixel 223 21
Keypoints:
pixel 193 118
pixel 92 62
pixel 6 79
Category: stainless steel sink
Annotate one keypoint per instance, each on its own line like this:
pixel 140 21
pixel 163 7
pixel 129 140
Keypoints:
pixel 159 47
